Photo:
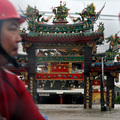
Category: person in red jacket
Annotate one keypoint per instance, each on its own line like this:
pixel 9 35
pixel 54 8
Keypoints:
pixel 15 101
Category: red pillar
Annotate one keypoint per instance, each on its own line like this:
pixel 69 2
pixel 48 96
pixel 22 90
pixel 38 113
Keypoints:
pixel 61 99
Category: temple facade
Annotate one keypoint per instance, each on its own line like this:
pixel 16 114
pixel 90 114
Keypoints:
pixel 62 65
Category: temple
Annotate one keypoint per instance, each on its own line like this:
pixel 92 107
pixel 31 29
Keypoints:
pixel 62 65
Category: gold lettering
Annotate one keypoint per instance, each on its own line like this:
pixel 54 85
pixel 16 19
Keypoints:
pixel 87 84
pixel 31 91
pixel 110 104
pixel 88 88
pixel 87 97
pixel 110 90
pixel 110 94
pixel 87 81
pixel 87 94
pixel 110 98
pixel 87 101
pixel 87 91
pixel 31 81
pixel 87 105
pixel 31 87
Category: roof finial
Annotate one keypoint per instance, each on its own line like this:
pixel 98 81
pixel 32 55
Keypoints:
pixel 60 3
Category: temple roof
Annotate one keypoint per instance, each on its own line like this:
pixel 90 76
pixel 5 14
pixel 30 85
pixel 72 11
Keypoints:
pixel 63 38
pixel 80 31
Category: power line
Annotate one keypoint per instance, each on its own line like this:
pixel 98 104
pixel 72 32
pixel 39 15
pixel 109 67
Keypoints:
pixel 47 12
pixel 94 0
pixel 107 19
pixel 109 15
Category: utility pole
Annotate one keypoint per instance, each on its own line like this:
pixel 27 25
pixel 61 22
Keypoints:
pixel 103 108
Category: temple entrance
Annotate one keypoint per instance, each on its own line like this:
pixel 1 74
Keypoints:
pixel 52 98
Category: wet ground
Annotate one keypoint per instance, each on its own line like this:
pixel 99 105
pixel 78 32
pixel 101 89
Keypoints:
pixel 77 112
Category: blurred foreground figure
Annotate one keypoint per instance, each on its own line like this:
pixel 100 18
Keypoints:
pixel 15 102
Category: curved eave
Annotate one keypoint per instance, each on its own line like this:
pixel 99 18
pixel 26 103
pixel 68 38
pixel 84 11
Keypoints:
pixel 62 38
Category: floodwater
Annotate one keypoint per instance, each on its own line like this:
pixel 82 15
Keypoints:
pixel 77 112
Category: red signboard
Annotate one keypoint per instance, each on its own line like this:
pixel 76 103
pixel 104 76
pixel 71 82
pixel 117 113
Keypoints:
pixel 97 82
pixel 59 67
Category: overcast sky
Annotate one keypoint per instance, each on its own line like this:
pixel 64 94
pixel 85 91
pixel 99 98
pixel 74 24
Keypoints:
pixel 112 7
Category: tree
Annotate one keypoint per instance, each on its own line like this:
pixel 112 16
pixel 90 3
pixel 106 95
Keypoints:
pixel 117 100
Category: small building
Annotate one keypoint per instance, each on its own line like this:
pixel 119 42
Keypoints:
pixel 117 91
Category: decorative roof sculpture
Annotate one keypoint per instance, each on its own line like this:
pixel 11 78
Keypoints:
pixel 109 56
pixel 87 13
pixel 61 12
pixel 36 21
pixel 33 16
pixel 114 46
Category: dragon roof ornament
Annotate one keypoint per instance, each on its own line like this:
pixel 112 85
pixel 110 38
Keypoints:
pixel 61 12
pixel 114 46
pixel 37 23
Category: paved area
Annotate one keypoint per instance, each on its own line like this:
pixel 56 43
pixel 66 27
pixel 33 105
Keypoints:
pixel 77 112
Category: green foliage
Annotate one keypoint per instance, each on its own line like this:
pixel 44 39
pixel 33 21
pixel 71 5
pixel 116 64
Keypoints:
pixel 117 100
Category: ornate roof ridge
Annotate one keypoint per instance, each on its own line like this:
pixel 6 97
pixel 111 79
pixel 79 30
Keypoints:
pixel 99 31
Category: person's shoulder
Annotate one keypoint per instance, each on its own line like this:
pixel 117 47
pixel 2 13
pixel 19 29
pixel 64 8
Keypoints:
pixel 8 72
pixel 10 76
pixel 13 80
